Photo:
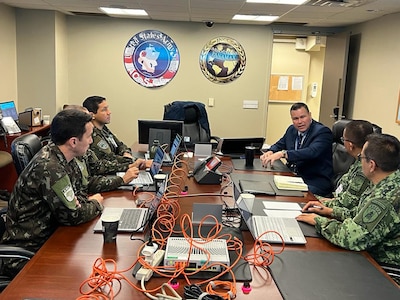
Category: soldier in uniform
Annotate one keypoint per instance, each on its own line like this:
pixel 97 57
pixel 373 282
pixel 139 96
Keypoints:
pixel 99 175
pixel 105 144
pixel 49 192
pixel 375 224
pixel 352 184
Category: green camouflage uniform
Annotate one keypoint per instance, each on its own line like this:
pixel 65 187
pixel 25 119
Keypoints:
pixel 107 146
pixel 351 186
pixel 94 173
pixel 43 198
pixel 374 225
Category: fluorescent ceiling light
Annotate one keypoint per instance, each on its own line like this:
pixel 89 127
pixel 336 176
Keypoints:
pixel 123 11
pixel 255 18
pixel 289 2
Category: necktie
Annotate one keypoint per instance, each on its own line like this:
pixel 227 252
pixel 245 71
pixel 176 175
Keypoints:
pixel 300 139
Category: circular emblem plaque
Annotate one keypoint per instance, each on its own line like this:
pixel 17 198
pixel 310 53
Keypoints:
pixel 222 60
pixel 151 58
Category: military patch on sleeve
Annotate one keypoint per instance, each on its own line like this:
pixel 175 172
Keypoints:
pixel 372 214
pixel 63 189
pixel 102 144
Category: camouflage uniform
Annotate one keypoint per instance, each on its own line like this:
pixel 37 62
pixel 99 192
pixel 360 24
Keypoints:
pixel 43 198
pixel 375 223
pixel 94 173
pixel 107 146
pixel 351 186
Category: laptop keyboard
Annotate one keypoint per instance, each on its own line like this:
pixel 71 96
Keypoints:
pixel 288 228
pixel 143 178
pixel 130 219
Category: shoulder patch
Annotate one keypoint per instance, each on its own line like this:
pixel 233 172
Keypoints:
pixel 372 214
pixel 102 144
pixel 65 192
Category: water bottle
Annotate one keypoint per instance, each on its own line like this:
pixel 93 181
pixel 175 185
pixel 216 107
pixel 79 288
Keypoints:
pixel 153 148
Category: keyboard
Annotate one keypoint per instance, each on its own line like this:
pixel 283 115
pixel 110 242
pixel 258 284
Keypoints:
pixel 144 178
pixel 130 219
pixel 288 228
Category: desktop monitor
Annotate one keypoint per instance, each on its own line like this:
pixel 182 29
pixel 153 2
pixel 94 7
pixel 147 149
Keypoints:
pixel 159 128
pixel 8 109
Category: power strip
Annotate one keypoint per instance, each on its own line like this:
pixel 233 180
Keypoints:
pixel 145 273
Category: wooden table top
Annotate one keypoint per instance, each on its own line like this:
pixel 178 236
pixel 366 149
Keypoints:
pixel 67 258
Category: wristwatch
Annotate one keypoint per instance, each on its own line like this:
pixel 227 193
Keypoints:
pixel 284 152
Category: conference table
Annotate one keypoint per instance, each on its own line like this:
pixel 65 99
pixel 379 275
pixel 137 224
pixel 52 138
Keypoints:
pixel 66 259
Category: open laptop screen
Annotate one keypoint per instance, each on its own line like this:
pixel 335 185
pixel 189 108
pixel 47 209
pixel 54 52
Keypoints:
pixel 8 109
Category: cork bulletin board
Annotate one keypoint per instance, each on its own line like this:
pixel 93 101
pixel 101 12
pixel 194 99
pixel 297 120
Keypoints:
pixel 286 88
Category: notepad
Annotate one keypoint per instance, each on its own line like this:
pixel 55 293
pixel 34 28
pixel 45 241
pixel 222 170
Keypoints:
pixel 290 183
pixel 281 209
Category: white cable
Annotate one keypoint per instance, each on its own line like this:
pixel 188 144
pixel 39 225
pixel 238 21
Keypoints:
pixel 163 295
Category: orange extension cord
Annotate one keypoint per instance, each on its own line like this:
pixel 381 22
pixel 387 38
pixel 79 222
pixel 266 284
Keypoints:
pixel 104 283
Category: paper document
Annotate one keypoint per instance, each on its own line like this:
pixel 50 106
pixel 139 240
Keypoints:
pixel 290 183
pixel 279 205
pixel 282 213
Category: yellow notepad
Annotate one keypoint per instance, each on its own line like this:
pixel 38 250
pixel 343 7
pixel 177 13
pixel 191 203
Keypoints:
pixel 290 183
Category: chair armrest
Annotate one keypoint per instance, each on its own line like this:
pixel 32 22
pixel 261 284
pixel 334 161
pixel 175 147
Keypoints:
pixel 7 251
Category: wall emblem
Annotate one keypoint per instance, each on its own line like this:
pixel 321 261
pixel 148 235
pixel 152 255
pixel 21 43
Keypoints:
pixel 222 60
pixel 151 58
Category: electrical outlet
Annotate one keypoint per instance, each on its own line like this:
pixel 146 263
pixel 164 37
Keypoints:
pixel 210 102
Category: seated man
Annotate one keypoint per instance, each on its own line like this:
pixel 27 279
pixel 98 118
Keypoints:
pixel 307 146
pixel 99 175
pixel 352 184
pixel 49 192
pixel 105 144
pixel 375 224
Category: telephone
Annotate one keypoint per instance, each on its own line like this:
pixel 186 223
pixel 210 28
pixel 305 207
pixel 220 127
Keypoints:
pixel 8 125
pixel 202 165
pixel 206 172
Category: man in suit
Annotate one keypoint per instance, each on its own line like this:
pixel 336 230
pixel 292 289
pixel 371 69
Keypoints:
pixel 307 147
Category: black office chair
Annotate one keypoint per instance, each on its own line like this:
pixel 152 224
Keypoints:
pixel 341 159
pixel 7 251
pixel 196 128
pixel 23 149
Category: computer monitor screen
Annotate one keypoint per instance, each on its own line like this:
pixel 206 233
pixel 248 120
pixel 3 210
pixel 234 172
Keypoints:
pixel 8 109
pixel 144 126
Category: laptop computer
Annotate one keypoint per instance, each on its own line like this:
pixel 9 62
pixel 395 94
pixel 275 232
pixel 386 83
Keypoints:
pixel 288 228
pixel 146 178
pixel 170 157
pixel 133 219
pixel 235 147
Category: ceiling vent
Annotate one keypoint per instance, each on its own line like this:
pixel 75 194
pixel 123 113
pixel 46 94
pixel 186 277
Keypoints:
pixel 338 3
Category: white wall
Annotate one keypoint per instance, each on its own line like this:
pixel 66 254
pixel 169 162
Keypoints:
pixel 8 55
pixel 378 84
pixel 96 67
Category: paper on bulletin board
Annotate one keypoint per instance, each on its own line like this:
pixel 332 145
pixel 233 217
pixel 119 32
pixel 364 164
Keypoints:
pixel 297 83
pixel 286 88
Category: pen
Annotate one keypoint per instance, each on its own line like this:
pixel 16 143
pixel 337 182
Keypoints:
pixel 317 206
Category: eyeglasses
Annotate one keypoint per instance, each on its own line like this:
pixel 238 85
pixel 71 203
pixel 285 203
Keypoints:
pixel 359 157
pixel 342 139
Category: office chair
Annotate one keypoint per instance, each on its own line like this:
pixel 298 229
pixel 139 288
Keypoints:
pixel 8 251
pixel 341 159
pixel 196 128
pixel 23 149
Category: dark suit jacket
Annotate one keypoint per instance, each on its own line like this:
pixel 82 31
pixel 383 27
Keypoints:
pixel 313 161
